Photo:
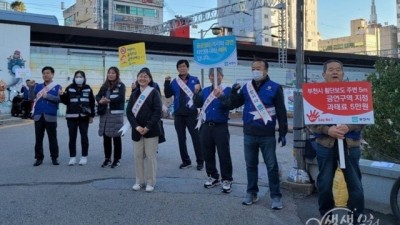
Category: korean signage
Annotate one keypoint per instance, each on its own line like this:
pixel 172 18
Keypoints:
pixel 338 103
pixel 215 52
pixel 133 54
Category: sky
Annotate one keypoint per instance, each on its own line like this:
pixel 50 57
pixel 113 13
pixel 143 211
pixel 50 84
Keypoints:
pixel 333 15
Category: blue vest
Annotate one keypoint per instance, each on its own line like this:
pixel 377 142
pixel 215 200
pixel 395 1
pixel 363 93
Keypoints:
pixel 214 111
pixel 44 106
pixel 192 81
pixel 266 93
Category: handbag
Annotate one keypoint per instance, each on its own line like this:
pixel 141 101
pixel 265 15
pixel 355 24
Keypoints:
pixel 161 138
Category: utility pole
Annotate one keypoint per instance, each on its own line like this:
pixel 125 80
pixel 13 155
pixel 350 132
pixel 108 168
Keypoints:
pixel 282 51
pixel 298 173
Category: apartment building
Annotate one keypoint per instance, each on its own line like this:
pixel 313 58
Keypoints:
pixel 119 15
pixel 261 26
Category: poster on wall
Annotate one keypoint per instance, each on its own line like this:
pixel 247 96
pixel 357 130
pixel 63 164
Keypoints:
pixel 14 56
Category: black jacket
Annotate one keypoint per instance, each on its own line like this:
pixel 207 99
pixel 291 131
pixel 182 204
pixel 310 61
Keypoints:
pixel 148 116
pixel 80 102
pixel 117 100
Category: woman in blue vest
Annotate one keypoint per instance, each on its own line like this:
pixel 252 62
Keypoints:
pixel 79 99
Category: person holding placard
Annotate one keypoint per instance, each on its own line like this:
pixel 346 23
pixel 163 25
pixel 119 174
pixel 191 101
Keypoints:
pixel 185 112
pixel 264 105
pixel 144 114
pixel 214 132
pixel 326 147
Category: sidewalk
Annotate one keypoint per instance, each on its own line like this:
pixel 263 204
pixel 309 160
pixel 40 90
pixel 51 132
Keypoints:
pixel 93 195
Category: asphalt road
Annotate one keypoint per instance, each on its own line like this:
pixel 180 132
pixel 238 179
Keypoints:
pixel 93 195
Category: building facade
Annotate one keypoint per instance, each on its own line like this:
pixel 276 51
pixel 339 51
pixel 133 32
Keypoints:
pixel 365 39
pixel 119 15
pixel 4 5
pixel 261 26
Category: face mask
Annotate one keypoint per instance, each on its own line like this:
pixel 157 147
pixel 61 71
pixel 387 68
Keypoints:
pixel 257 75
pixel 79 80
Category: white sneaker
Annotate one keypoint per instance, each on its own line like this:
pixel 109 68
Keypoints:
pixel 72 161
pixel 83 160
pixel 149 188
pixel 137 187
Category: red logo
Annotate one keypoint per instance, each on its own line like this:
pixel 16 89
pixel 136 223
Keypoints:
pixel 313 115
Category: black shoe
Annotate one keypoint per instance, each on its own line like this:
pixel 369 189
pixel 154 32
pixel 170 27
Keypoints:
pixel 38 162
pixel 106 163
pixel 185 165
pixel 115 164
pixel 200 166
pixel 55 162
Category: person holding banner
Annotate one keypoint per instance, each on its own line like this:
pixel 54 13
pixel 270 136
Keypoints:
pixel 326 147
pixel 185 112
pixel 44 113
pixel 263 106
pixel 111 103
pixel 214 132
pixel 144 114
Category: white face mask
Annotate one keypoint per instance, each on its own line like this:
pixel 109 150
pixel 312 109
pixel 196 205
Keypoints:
pixel 79 80
pixel 257 75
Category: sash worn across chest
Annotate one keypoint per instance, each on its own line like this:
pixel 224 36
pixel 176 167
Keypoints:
pixel 40 94
pixel 135 109
pixel 258 104
pixel 207 102
pixel 186 89
pixel 142 98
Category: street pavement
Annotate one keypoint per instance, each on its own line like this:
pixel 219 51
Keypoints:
pixel 58 195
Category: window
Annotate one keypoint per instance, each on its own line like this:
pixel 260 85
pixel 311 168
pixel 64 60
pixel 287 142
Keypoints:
pixel 139 11
pixel 150 12
pixel 133 11
pixel 122 9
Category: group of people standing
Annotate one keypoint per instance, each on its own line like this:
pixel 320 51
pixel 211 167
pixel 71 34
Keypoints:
pixel 263 108
pixel 205 113
pixel 80 102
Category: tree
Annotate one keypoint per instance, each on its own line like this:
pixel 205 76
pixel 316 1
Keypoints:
pixel 383 137
pixel 18 6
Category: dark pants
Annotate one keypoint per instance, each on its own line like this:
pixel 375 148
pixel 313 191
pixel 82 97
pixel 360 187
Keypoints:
pixel 216 135
pixel 73 125
pixel 181 122
pixel 327 163
pixel 27 106
pixel 51 128
pixel 107 142
pixel 252 147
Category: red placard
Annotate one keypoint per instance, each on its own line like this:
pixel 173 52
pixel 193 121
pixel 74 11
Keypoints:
pixel 334 101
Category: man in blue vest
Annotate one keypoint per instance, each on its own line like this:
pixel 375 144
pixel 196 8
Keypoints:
pixel 45 115
pixel 263 106
pixel 214 132
pixel 326 147
pixel 185 112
